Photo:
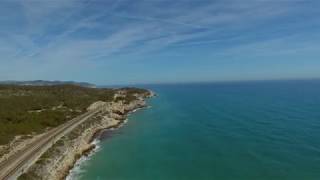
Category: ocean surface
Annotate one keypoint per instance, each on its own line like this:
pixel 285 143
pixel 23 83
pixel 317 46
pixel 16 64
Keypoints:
pixel 226 131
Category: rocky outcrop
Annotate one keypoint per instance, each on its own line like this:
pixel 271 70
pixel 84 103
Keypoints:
pixel 60 158
pixel 96 105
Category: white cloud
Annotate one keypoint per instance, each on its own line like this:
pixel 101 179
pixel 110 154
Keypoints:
pixel 50 42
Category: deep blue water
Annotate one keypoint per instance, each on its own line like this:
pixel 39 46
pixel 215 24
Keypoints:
pixel 238 131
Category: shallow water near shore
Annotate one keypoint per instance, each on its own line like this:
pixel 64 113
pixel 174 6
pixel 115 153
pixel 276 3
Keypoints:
pixel 249 130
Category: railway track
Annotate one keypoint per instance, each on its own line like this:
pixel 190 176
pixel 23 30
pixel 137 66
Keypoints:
pixel 18 163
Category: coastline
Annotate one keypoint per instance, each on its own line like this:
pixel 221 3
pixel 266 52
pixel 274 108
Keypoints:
pixel 61 158
pixel 95 140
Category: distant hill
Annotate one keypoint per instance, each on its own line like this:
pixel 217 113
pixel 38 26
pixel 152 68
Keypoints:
pixel 46 83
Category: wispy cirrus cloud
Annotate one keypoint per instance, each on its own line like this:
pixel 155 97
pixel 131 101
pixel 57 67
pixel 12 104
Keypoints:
pixel 51 36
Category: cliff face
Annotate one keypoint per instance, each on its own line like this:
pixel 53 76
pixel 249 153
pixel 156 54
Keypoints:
pixel 60 158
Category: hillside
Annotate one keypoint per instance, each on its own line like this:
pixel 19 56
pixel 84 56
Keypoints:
pixel 46 83
pixel 30 109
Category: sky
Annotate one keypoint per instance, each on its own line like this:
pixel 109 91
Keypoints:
pixel 159 41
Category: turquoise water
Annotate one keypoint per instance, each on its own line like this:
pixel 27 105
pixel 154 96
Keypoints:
pixel 237 131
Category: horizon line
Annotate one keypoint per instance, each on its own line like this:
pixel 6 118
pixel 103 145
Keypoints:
pixel 209 82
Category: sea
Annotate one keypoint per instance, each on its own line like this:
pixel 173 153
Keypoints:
pixel 256 130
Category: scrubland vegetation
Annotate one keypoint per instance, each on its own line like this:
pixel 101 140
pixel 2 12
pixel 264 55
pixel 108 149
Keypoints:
pixel 28 110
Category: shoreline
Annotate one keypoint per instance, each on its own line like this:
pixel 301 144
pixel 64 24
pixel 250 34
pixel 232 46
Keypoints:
pixel 99 132
pixel 59 161
pixel 94 141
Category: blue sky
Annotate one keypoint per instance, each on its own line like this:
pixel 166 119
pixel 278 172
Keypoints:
pixel 154 41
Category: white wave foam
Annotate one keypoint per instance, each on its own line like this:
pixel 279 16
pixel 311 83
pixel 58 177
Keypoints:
pixel 96 142
pixel 77 170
